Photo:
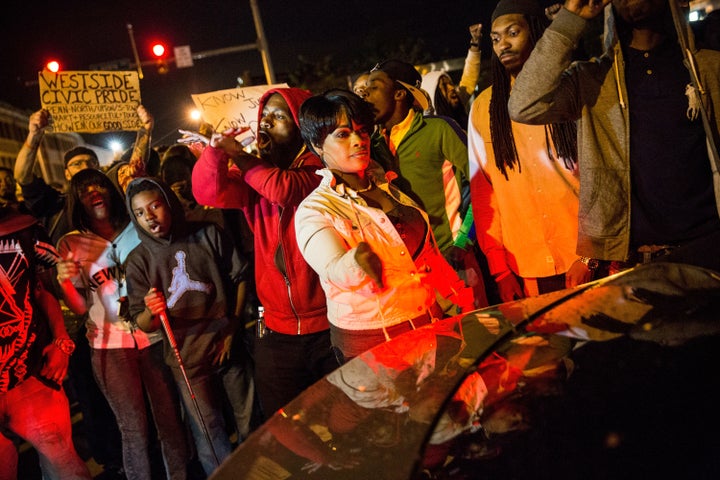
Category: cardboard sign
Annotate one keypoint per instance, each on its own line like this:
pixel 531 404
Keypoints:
pixel 233 108
pixel 91 101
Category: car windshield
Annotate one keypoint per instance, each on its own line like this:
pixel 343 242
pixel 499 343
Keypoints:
pixel 560 381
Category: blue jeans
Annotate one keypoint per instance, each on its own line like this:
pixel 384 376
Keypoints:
pixel 208 391
pixel 98 419
pixel 237 378
pixel 121 374
pixel 40 415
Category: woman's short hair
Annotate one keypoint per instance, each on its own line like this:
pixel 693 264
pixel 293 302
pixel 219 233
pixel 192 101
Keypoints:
pixel 319 115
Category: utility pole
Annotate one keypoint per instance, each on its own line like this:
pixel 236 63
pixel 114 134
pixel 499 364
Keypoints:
pixel 135 51
pixel 262 43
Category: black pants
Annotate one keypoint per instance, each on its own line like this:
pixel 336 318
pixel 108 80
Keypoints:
pixel 285 365
pixel 702 252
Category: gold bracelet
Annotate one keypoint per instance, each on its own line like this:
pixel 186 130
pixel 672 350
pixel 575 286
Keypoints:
pixel 591 263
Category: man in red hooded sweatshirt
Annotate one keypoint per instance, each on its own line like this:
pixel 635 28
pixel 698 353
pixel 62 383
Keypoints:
pixel 295 352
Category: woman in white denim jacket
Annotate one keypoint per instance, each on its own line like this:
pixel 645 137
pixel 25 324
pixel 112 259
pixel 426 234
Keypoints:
pixel 371 245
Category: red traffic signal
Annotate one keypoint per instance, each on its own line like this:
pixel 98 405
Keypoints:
pixel 53 66
pixel 158 50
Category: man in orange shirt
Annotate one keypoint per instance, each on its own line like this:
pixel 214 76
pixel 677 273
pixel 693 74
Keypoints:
pixel 525 183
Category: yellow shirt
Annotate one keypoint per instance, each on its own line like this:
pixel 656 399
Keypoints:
pixel 528 223
pixel 398 132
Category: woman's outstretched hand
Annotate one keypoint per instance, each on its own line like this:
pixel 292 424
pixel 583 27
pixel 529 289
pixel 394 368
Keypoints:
pixel 370 263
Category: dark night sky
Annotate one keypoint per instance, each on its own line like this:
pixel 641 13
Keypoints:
pixel 82 33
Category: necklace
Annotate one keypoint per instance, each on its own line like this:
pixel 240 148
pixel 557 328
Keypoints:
pixel 366 189
pixel 341 178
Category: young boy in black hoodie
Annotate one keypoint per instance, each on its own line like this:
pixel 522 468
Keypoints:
pixel 190 272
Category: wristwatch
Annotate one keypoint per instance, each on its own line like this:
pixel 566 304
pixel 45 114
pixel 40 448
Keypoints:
pixel 65 344
pixel 591 263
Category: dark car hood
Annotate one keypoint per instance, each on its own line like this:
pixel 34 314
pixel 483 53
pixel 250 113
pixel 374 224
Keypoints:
pixel 403 407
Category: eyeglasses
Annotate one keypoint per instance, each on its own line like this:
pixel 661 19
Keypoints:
pixel 82 163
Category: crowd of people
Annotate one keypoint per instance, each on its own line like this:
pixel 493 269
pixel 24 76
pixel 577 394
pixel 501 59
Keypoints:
pixel 358 216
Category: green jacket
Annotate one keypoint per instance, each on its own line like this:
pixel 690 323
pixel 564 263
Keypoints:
pixel 432 163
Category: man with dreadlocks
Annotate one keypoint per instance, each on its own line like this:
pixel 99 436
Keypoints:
pixel 525 192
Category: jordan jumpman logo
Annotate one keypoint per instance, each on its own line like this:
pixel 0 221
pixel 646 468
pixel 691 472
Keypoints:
pixel 182 283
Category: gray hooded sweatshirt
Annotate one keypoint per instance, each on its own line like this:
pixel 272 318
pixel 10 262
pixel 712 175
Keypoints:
pixel 552 89
pixel 197 268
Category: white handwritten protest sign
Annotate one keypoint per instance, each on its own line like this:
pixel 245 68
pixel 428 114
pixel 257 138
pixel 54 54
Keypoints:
pixel 232 108
pixel 92 101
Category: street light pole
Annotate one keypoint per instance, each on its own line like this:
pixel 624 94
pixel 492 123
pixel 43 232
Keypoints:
pixel 135 51
pixel 262 43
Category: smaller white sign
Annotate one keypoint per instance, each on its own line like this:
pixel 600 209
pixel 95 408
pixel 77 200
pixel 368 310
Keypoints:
pixel 183 57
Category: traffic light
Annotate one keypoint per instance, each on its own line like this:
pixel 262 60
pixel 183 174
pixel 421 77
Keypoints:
pixel 52 66
pixel 159 51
